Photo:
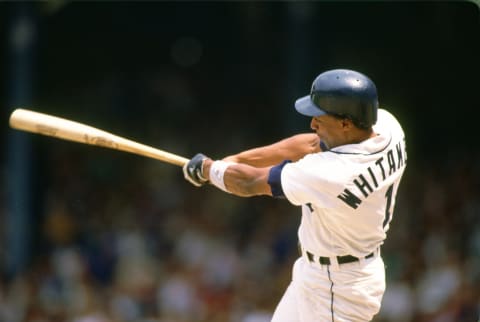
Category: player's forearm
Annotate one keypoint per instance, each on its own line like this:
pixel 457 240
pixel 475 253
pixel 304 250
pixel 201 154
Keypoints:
pixel 292 148
pixel 242 180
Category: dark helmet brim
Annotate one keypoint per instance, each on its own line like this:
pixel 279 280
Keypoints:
pixel 305 106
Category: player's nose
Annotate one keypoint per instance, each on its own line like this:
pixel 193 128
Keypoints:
pixel 313 124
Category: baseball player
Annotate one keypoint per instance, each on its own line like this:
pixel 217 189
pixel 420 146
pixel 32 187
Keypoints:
pixel 345 178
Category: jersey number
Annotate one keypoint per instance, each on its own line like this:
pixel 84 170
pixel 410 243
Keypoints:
pixel 388 214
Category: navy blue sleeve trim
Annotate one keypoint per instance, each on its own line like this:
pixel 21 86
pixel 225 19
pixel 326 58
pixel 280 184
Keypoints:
pixel 274 180
pixel 323 146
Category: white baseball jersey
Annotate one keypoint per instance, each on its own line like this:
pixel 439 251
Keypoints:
pixel 348 193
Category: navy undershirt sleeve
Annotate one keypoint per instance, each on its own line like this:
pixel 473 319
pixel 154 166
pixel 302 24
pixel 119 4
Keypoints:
pixel 274 180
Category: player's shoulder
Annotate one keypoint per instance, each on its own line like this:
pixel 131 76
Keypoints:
pixel 386 119
pixel 386 114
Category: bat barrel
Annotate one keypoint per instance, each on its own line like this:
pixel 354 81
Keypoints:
pixel 44 124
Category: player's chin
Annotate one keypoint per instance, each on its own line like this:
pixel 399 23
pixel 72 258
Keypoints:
pixel 321 137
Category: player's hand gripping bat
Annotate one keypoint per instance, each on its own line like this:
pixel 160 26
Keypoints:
pixel 44 124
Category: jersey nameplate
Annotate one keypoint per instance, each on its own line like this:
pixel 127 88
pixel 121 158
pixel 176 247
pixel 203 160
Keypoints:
pixel 394 159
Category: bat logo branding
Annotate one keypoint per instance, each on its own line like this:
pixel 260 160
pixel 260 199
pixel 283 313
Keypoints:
pixel 100 141
pixel 46 130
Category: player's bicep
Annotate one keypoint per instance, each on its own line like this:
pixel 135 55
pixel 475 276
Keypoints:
pixel 297 146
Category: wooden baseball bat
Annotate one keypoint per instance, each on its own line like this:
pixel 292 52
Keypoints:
pixel 44 124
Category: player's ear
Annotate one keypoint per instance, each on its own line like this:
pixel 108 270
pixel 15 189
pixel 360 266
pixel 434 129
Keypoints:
pixel 346 124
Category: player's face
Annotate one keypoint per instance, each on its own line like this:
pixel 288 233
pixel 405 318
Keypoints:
pixel 329 129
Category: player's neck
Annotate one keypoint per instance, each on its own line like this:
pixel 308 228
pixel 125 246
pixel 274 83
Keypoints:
pixel 362 135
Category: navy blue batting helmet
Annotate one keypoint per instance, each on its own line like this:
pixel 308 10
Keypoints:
pixel 343 93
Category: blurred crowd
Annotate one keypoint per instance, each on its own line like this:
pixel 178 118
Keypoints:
pixel 150 247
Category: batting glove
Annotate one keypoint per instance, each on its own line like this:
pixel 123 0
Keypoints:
pixel 193 170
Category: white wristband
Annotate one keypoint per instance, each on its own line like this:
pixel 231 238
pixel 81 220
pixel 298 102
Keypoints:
pixel 217 171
